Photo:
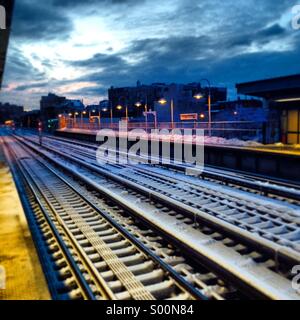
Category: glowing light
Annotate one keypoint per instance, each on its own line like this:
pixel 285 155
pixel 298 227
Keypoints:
pixel 162 101
pixel 138 104
pixel 198 96
pixel 119 107
pixel 288 100
pixel 202 116
pixel 104 109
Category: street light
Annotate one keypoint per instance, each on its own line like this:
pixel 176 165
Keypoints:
pixel 138 105
pixel 119 107
pixel 111 114
pixel 75 114
pixel 199 96
pixel 99 117
pixel 82 113
pixel 163 101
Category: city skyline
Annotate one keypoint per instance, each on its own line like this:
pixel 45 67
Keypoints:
pixel 80 49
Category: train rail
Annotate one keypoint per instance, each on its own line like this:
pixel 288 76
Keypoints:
pixel 113 263
pixel 235 254
pixel 279 224
pixel 278 189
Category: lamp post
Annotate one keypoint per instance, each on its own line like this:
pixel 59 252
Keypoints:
pixel 82 113
pixel 111 114
pixel 103 110
pixel 139 104
pixel 99 118
pixel 60 116
pixel 75 114
pixel 199 96
pixel 120 107
pixel 40 129
pixel 70 119
pixel 163 101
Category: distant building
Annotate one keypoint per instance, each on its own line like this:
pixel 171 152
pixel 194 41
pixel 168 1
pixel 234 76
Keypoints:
pixel 181 94
pixel 129 96
pixel 53 105
pixel 240 110
pixel 50 101
pixel 184 101
pixel 31 119
pixel 104 104
pixel 93 107
pixel 10 112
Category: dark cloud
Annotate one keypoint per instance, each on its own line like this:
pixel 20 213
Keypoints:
pixel 86 3
pixel 19 68
pixel 96 91
pixel 258 37
pixel 38 85
pixel 274 30
pixel 34 20
pixel 100 60
pixel 185 59
pixel 226 41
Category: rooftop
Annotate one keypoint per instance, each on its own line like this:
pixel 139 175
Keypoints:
pixel 274 88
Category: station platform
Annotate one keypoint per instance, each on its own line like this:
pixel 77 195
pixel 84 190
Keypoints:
pixel 274 161
pixel 21 275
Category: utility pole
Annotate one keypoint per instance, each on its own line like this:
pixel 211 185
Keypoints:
pixel 40 128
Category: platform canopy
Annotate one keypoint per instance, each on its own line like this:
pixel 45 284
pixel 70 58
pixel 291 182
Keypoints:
pixel 281 89
pixel 4 34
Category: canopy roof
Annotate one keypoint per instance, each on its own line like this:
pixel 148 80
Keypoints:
pixel 277 89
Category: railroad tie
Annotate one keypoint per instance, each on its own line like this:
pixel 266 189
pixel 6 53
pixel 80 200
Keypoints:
pixel 135 288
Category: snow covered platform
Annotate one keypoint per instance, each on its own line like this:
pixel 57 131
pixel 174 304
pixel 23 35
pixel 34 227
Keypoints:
pixel 275 161
pixel 21 275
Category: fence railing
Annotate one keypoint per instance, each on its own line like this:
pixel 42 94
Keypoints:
pixel 243 130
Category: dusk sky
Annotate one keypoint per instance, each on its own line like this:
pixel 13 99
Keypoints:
pixel 80 48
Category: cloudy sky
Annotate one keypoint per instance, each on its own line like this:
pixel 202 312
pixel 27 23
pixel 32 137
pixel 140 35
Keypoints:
pixel 80 48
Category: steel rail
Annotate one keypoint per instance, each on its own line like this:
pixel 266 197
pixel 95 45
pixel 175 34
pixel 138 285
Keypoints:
pixel 169 270
pixel 266 186
pixel 82 283
pixel 279 251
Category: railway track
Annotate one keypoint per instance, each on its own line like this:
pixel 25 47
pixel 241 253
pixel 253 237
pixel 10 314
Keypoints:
pixel 277 189
pixel 111 261
pixel 252 264
pixel 277 223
